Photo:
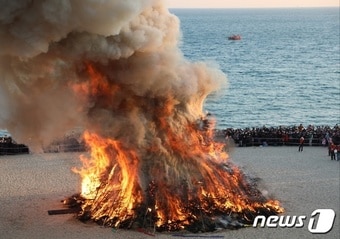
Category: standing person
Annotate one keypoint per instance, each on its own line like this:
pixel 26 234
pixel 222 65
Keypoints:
pixel 337 155
pixel 300 128
pixel 333 148
pixel 301 141
pixel 330 142
pixel 310 138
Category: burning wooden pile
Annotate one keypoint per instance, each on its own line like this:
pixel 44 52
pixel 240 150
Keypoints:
pixel 209 194
pixel 201 216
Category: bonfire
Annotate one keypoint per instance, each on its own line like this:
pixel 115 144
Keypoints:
pixel 176 177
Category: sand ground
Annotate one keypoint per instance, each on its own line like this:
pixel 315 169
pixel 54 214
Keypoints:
pixel 30 185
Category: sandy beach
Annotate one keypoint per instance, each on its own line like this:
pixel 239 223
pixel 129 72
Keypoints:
pixel 30 185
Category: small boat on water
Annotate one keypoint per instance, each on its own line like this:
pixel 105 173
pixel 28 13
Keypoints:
pixel 234 37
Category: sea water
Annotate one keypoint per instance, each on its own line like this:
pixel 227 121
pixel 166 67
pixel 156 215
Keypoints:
pixel 284 71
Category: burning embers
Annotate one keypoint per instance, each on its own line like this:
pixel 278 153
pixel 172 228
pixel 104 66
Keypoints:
pixel 185 182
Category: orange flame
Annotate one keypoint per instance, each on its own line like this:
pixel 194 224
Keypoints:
pixel 97 86
pixel 109 178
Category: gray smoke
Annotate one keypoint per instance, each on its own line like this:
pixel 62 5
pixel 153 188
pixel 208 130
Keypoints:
pixel 49 49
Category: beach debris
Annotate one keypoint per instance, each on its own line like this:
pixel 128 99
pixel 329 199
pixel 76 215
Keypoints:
pixel 227 222
pixel 72 205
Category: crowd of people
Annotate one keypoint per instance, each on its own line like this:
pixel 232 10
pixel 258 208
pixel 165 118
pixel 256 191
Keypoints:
pixel 9 146
pixel 296 135
pixel 283 135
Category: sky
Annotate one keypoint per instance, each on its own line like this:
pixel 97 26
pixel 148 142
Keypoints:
pixel 250 3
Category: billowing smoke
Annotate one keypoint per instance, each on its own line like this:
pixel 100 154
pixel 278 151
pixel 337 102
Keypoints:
pixel 51 53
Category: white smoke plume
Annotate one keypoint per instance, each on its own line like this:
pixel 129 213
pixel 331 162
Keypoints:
pixel 49 49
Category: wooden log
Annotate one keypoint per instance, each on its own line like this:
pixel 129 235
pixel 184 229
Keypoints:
pixel 63 211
